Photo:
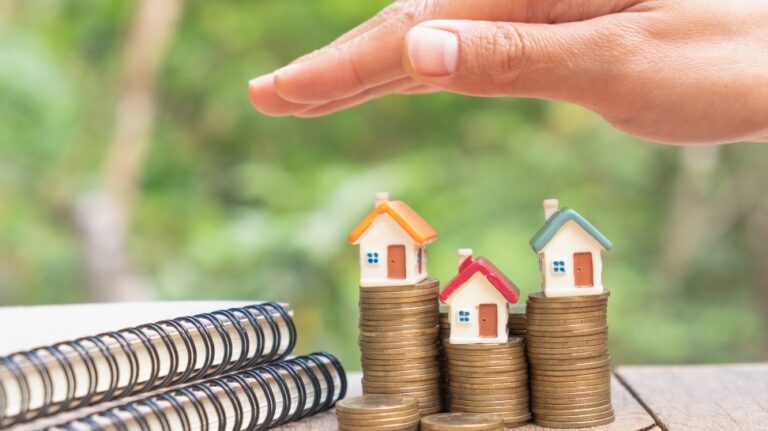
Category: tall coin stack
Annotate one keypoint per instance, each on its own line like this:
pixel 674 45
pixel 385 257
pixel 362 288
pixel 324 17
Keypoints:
pixel 489 378
pixel 567 345
pixel 399 342
pixel 445 333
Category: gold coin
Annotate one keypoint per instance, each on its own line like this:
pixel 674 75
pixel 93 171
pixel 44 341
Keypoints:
pixel 568 356
pixel 511 343
pixel 571 379
pixel 376 404
pixel 544 390
pixel 521 398
pixel 508 414
pixel 380 295
pixel 538 297
pixel 432 331
pixel 569 314
pixel 572 407
pixel 571 363
pixel 403 379
pixel 513 382
pixel 602 341
pixel 371 374
pixel 474 364
pixel 585 395
pixel 414 301
pixel 421 386
pixel 405 392
pixel 520 373
pixel 554 308
pixel 462 422
pixel 361 420
pixel 462 393
pixel 556 320
pixel 574 424
pixel 602 408
pixel 481 386
pixel 400 364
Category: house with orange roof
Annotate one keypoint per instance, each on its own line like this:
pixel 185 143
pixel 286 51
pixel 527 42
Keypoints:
pixel 392 240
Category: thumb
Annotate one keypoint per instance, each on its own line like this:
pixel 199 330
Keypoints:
pixel 553 61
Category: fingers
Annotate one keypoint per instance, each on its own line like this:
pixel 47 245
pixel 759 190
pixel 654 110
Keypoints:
pixel 397 86
pixel 371 55
pixel 264 98
pixel 561 61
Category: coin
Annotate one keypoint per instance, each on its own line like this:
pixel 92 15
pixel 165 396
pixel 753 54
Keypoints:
pixel 511 342
pixel 538 297
pixel 462 422
pixel 375 404
pixel 571 424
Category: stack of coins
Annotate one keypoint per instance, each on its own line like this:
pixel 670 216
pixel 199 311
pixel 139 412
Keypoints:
pixel 462 422
pixel 567 346
pixel 399 342
pixel 489 378
pixel 517 323
pixel 445 333
pixel 378 413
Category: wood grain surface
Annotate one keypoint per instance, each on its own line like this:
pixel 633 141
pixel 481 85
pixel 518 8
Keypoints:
pixel 630 415
pixel 711 397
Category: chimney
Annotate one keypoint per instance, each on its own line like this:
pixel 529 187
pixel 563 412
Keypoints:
pixel 550 207
pixel 464 254
pixel 382 198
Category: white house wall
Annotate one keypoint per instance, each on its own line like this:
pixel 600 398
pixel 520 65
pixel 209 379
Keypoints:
pixel 477 290
pixel 382 233
pixel 570 239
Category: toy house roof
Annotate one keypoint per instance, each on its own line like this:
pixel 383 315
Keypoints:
pixel 557 220
pixel 405 216
pixel 469 267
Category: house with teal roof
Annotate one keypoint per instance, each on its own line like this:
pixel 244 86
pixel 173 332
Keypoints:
pixel 570 253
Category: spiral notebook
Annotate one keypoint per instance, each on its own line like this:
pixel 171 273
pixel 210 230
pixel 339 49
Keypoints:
pixel 253 399
pixel 89 370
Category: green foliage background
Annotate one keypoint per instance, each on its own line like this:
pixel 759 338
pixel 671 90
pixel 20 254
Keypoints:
pixel 235 205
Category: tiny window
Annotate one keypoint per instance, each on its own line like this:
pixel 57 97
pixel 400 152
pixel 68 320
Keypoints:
pixel 373 258
pixel 558 267
pixel 463 316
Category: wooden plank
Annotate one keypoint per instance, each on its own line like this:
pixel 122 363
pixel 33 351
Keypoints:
pixel 630 415
pixel 707 397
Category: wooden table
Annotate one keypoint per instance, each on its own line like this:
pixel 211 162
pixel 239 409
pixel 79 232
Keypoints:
pixel 716 397
pixel 713 397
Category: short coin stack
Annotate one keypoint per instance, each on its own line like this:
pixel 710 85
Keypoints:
pixel 489 378
pixel 378 413
pixel 399 342
pixel 462 422
pixel 518 323
pixel 567 346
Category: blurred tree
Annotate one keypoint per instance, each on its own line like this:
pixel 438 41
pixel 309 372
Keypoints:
pixel 224 203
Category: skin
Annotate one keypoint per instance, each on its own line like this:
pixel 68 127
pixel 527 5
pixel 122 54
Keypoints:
pixel 669 71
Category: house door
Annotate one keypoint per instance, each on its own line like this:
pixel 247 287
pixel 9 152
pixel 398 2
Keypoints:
pixel 582 269
pixel 487 315
pixel 396 262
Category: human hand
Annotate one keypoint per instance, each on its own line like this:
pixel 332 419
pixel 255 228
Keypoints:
pixel 674 71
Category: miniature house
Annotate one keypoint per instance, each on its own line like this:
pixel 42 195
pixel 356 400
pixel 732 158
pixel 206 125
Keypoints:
pixel 569 249
pixel 478 299
pixel 392 241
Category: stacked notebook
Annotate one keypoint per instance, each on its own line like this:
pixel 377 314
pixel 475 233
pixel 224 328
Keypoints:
pixel 227 369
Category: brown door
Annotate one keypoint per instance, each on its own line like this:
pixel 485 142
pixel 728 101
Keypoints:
pixel 582 269
pixel 488 323
pixel 396 262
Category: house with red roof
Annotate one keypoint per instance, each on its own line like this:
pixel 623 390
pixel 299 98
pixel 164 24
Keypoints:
pixel 478 299
pixel 392 240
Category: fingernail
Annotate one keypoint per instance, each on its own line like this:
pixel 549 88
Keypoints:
pixel 267 79
pixel 433 52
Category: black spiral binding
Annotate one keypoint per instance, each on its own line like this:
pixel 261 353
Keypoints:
pixel 271 315
pixel 292 378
